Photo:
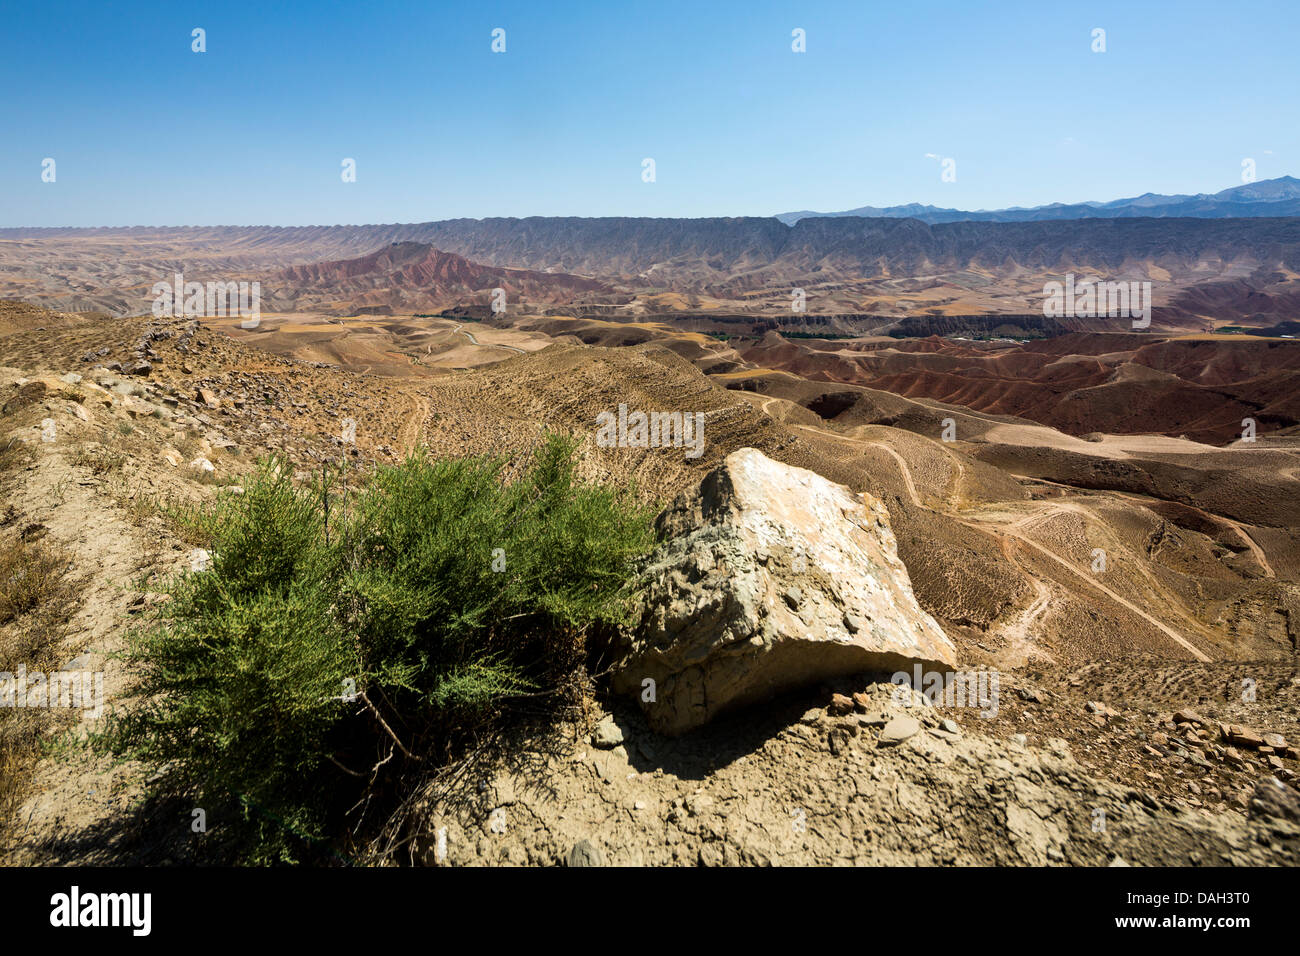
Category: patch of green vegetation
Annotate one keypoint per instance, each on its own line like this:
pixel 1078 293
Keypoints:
pixel 328 651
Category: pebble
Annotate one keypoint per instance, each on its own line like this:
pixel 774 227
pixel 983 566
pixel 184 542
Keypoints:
pixel 898 730
pixel 607 734
pixel 585 853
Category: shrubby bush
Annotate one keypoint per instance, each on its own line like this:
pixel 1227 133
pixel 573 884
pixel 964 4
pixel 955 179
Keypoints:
pixel 328 648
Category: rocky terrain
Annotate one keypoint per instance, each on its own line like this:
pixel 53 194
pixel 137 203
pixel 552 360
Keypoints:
pixel 1161 691
pixel 897 267
pixel 849 780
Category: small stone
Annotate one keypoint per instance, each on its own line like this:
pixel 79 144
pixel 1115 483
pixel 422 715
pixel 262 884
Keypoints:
pixel 1245 737
pixel 950 726
pixel 1021 739
pixel 898 730
pixel 607 734
pixel 585 853
pixel 840 705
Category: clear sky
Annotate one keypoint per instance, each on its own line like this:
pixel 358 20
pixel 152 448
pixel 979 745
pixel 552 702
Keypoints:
pixel 144 131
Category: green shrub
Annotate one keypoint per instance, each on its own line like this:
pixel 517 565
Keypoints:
pixel 441 594
pixel 466 584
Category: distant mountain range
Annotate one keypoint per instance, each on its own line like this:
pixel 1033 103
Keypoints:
pixel 1269 197
pixel 1202 271
pixel 1243 270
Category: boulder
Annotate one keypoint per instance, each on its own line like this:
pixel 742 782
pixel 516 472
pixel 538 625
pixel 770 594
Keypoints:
pixel 768 578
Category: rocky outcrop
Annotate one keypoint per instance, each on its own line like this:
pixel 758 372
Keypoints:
pixel 896 784
pixel 769 577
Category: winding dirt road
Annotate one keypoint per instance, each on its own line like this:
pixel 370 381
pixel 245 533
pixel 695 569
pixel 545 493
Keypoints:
pixel 1013 531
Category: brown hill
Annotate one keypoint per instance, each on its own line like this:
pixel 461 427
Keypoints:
pixel 1201 387
pixel 409 275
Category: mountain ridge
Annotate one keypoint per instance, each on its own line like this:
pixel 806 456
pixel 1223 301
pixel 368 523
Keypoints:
pixel 1265 198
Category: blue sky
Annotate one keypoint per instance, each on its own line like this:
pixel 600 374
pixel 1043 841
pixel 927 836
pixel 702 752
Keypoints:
pixel 146 132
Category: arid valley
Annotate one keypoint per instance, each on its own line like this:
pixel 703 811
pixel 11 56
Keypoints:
pixel 446 448
pixel 1077 506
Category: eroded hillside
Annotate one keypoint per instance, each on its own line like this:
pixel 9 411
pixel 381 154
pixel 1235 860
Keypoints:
pixel 1000 530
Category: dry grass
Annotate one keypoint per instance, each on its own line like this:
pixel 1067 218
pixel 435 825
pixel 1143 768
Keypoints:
pixel 36 603
pixel 189 444
pixel 14 453
pixel 30 576
pixel 99 459
pixel 17 421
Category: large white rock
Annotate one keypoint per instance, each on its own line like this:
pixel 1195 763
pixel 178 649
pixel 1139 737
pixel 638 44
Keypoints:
pixel 770 577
